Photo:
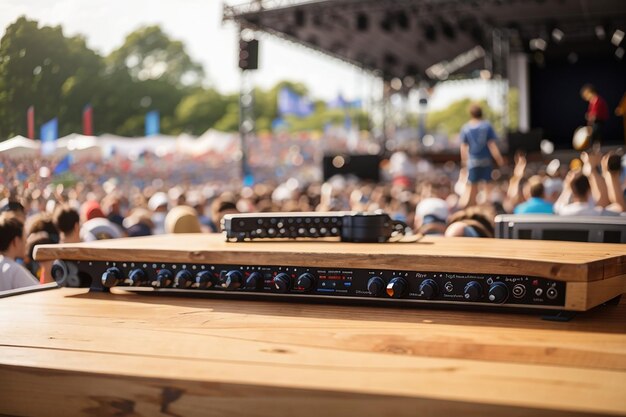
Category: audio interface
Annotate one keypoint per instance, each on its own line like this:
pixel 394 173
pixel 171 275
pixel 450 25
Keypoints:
pixel 446 271
pixel 347 226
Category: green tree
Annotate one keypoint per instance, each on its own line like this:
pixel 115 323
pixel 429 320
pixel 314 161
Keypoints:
pixel 200 110
pixel 451 119
pixel 149 54
pixel 35 66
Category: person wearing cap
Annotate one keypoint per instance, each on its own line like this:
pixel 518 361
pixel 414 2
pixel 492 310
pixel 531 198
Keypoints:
pixel 97 226
pixel 536 202
pixel 431 215
pixel 138 223
pixel 12 274
pixel 158 205
pixel 91 210
pixel 471 222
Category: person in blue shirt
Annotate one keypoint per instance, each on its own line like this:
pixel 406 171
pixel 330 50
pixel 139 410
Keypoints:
pixel 536 204
pixel 478 146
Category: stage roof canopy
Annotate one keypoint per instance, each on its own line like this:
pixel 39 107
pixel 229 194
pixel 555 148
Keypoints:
pixel 437 39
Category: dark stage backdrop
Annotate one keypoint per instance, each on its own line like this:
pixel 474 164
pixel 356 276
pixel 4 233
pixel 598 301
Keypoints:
pixel 555 102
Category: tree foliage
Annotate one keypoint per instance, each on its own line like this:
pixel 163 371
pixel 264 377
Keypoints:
pixel 60 75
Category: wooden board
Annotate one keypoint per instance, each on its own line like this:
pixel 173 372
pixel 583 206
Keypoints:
pixel 566 261
pixel 69 352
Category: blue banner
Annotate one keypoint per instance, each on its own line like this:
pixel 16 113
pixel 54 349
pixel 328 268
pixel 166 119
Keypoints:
pixel 291 103
pixel 152 123
pixel 63 165
pixel 340 103
pixel 49 135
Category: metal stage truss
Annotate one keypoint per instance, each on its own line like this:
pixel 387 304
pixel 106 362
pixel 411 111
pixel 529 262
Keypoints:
pixel 432 40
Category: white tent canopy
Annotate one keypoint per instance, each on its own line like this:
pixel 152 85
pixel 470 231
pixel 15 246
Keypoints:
pixel 98 146
pixel 78 145
pixel 19 147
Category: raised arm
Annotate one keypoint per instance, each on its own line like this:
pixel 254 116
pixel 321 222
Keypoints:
pixel 599 192
pixel 614 188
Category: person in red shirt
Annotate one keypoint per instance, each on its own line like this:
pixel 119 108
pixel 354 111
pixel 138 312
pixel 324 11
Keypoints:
pixel 597 112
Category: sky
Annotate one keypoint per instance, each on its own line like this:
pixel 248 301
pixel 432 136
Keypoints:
pixel 198 23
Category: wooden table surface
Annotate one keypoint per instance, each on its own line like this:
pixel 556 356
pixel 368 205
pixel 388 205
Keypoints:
pixel 68 352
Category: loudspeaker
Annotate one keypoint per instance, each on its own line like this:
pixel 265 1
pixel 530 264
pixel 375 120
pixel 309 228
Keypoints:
pixel 366 167
pixel 362 22
pixel 528 142
pixel 249 54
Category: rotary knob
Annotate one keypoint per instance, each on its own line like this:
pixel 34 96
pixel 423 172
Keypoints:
pixel 204 280
pixel 137 277
pixel 282 282
pixel 397 287
pixel 231 280
pixel 428 289
pixel 183 279
pixel 498 293
pixel 375 286
pixel 473 291
pixel 164 279
pixel 305 281
pixel 111 277
pixel 253 280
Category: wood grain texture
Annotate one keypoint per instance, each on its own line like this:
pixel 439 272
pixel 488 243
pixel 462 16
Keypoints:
pixel 132 355
pixel 567 261
pixel 581 296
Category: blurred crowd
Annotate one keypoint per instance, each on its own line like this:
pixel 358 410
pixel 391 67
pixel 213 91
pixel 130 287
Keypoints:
pixel 115 198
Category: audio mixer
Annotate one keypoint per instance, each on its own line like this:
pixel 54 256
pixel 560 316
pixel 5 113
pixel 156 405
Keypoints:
pixel 445 271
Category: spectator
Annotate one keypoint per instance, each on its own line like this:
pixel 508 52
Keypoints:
pixel 67 221
pixel 99 228
pixel 471 222
pixel 158 204
pixel 42 270
pixel 15 207
pixel 219 208
pixel 12 274
pixel 138 223
pixel 536 202
pixel 431 215
pixel 91 210
pixel 575 199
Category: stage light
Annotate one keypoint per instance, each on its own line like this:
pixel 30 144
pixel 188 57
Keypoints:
pixel 538 44
pixel 619 53
pixel 390 59
pixel 557 35
pixel 362 22
pixel 385 24
pixel 447 30
pixel 600 32
pixel 618 37
pixel 430 32
pixel 402 19
pixel 299 17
